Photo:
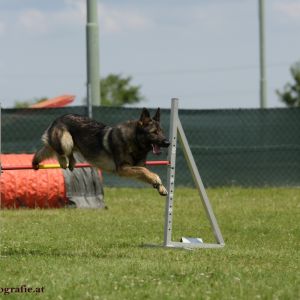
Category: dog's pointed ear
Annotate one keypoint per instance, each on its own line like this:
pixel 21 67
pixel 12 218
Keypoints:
pixel 157 115
pixel 145 116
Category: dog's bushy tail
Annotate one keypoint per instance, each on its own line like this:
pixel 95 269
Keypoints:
pixel 60 140
pixel 57 141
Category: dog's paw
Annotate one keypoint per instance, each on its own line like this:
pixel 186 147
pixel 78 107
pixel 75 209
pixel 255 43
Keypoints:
pixel 35 166
pixel 159 186
pixel 63 164
pixel 63 161
pixel 162 190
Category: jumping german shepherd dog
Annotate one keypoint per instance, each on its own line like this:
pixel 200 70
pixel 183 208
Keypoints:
pixel 121 149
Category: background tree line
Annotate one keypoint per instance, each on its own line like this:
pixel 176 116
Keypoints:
pixel 116 90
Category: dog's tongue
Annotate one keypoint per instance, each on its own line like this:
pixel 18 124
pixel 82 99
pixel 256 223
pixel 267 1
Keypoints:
pixel 155 149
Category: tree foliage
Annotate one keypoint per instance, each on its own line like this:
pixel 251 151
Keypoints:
pixel 291 91
pixel 118 91
pixel 115 91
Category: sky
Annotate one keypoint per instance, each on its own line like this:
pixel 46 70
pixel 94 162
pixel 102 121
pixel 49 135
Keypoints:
pixel 204 52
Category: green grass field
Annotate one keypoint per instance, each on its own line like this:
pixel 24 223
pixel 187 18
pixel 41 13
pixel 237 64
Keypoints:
pixel 97 254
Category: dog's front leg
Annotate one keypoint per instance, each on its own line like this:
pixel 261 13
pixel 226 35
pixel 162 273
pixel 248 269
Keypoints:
pixel 144 175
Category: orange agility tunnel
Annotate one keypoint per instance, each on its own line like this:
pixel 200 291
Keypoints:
pixel 49 187
pixel 29 188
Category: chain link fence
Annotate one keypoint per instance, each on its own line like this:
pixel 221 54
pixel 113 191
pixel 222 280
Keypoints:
pixel 241 147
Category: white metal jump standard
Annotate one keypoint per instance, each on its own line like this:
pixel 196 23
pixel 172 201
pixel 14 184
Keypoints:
pixel 176 128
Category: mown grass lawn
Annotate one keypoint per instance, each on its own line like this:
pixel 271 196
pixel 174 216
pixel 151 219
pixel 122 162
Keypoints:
pixel 97 254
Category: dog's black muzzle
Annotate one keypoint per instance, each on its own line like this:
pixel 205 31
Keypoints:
pixel 165 143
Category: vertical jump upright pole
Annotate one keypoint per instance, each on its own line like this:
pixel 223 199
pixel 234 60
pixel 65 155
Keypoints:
pixel 171 172
pixel 199 185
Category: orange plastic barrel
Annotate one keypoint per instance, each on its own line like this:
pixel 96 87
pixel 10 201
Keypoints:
pixel 29 188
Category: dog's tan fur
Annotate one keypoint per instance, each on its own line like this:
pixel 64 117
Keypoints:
pixel 144 175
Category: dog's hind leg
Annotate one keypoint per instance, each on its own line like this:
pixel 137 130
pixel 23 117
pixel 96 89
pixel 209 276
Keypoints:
pixel 65 153
pixel 42 154
pixel 63 161
pixel 144 175
pixel 72 162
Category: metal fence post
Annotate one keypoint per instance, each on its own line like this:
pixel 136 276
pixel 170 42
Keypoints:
pixel 0 152
pixel 262 52
pixel 92 53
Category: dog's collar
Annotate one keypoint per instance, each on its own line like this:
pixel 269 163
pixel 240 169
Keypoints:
pixel 106 140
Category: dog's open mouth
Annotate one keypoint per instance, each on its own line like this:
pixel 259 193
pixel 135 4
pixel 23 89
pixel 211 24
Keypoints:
pixel 156 149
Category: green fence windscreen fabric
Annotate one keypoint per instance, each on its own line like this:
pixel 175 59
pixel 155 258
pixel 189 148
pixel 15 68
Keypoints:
pixel 244 147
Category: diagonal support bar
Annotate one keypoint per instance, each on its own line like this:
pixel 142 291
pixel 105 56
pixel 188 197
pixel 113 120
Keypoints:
pixel 199 184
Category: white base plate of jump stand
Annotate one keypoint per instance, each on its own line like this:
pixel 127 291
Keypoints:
pixel 191 240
